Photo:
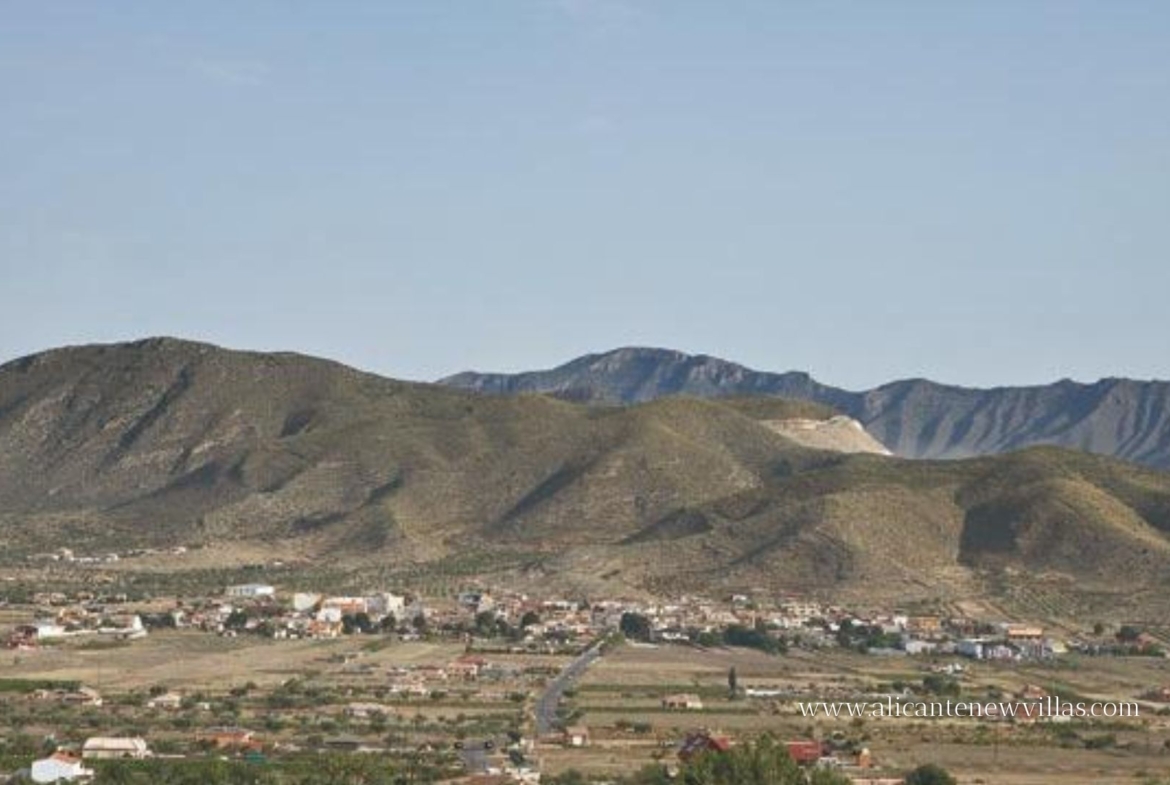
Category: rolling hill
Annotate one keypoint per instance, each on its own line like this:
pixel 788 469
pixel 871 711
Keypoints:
pixel 165 442
pixel 914 418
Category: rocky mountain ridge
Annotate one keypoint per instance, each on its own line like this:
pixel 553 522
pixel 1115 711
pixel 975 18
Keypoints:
pixel 914 418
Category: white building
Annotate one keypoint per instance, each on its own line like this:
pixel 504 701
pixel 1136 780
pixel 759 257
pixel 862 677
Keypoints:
pixel 915 646
pixel 59 767
pixel 169 701
pixel 109 747
pixel 971 647
pixel 128 625
pixel 48 629
pixel 331 614
pixel 347 605
pixel 763 692
pixel 250 590
pixel 365 711
pixel 384 603
pixel 305 601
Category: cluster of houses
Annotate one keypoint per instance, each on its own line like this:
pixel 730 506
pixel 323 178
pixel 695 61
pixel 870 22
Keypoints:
pixel 805 752
pixel 68 556
pixel 855 763
pixel 426 680
pixel 81 696
pixel 69 766
pixel 254 608
pixel 76 622
pixel 59 616
pixel 814 625
pixel 798 621
pixel 259 608
pixel 980 641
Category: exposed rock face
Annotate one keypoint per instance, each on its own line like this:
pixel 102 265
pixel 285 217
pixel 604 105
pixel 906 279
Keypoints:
pixel 839 434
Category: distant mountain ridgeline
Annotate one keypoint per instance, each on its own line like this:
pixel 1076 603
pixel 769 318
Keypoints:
pixel 914 418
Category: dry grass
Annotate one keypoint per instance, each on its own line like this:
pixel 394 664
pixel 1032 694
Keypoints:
pixel 624 687
pixel 190 659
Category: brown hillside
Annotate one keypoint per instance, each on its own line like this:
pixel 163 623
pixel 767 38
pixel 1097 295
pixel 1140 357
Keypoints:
pixel 168 442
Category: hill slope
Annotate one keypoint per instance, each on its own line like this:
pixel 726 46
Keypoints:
pixel 167 442
pixel 913 418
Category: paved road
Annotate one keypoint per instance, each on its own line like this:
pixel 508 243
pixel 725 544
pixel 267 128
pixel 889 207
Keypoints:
pixel 546 705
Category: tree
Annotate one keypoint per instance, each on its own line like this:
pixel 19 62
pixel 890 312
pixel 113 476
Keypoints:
pixel 635 626
pixel 236 620
pixel 930 774
pixel 1129 633
pixel 570 777
pixel 652 775
pixel 751 638
pixel 357 623
pixel 485 624
pixel 763 762
pixel 732 682
pixel 938 684
pixel 826 777
pixel 530 618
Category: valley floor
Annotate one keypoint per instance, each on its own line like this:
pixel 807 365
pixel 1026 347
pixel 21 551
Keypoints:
pixel 339 696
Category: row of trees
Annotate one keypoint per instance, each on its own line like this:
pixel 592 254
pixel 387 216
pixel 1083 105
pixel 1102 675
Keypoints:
pixel 486 624
pixel 636 626
pixel 334 769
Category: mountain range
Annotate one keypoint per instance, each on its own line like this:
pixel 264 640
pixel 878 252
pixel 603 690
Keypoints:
pixel 165 442
pixel 914 418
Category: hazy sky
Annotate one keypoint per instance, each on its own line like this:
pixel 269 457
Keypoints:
pixel 978 192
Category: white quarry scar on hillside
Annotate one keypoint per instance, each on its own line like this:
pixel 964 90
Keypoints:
pixel 840 434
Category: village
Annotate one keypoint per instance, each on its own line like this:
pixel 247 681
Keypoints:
pixel 494 683
pixel 502 618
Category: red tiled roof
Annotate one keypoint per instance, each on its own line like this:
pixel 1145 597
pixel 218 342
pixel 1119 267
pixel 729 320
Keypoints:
pixel 805 751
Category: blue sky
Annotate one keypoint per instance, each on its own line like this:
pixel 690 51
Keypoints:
pixel 974 192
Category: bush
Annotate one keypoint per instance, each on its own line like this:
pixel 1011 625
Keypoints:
pixel 938 684
pixel 635 626
pixel 749 638
pixel 930 774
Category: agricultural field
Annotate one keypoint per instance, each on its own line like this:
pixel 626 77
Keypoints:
pixel 554 688
pixel 190 659
pixel 290 698
pixel 620 701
